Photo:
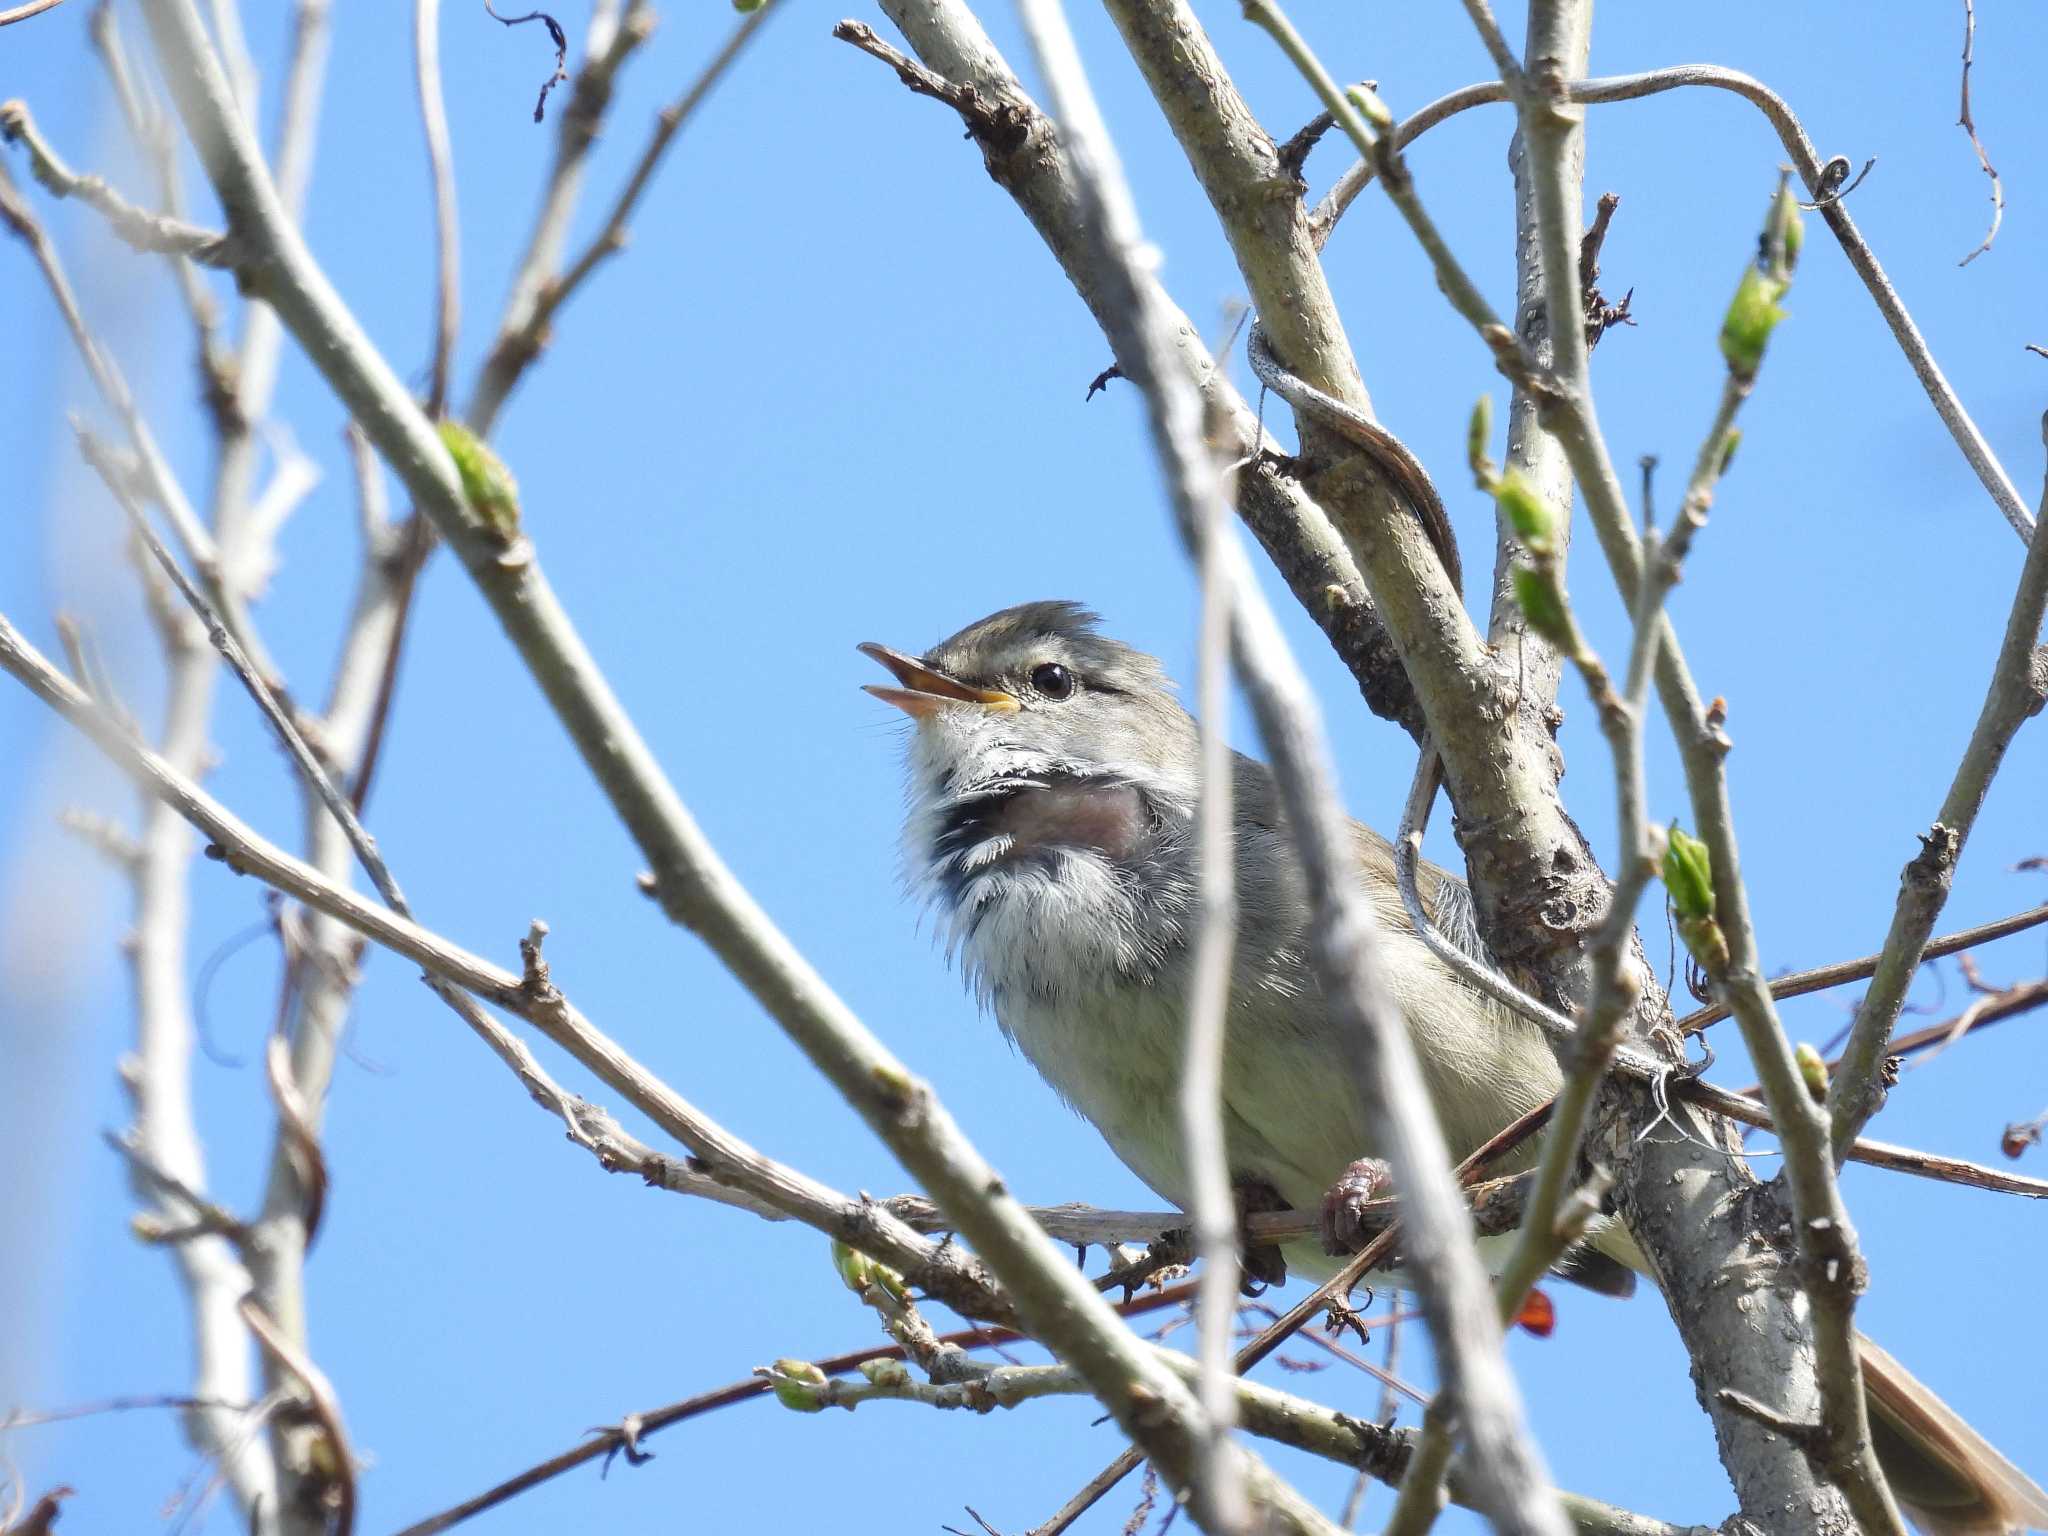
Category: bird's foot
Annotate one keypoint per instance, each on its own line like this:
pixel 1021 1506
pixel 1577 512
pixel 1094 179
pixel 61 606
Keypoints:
pixel 1260 1263
pixel 1347 1224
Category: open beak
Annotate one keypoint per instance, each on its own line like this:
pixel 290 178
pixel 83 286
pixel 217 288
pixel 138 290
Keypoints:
pixel 925 691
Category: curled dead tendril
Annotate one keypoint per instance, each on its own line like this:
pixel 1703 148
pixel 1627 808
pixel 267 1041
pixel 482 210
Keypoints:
pixel 561 40
pixel 1832 175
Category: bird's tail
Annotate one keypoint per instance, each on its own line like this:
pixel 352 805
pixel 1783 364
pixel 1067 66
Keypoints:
pixel 1948 1479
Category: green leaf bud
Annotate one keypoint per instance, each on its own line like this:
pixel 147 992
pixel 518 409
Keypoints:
pixel 1542 602
pixel 799 1385
pixel 1478 433
pixel 1688 875
pixel 1812 1070
pixel 1752 315
pixel 1369 106
pixel 1784 233
pixel 1706 943
pixel 854 1267
pixel 891 1375
pixel 1527 512
pixel 487 485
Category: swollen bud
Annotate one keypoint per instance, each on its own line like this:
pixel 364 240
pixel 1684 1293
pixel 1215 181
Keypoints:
pixel 1478 433
pixel 1784 232
pixel 799 1385
pixel 1754 312
pixel 1527 512
pixel 1542 603
pixel 859 1272
pixel 854 1267
pixel 1688 875
pixel 1812 1071
pixel 1729 444
pixel 1369 106
pixel 1752 315
pixel 487 485
pixel 890 1375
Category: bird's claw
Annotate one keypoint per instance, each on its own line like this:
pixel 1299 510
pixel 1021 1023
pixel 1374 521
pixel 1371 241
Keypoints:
pixel 1363 1183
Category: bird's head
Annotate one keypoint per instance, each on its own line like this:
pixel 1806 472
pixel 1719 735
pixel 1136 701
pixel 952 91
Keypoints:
pixel 1038 737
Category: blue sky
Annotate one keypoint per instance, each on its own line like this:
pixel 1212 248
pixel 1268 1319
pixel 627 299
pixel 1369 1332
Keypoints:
pixel 832 392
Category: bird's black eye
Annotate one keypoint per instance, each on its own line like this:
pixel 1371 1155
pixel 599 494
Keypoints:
pixel 1052 680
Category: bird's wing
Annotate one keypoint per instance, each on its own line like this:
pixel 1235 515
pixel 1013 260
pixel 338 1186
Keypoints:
pixel 1949 1478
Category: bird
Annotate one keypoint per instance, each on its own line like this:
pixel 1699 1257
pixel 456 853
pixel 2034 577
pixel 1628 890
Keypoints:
pixel 1053 783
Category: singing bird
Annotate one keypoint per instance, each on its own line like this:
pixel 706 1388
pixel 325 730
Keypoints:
pixel 1053 785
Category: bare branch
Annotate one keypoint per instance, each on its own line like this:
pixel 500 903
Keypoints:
pixel 142 229
pixel 426 42
pixel 1965 122
pixel 963 69
pixel 1277 1415
pixel 1208 1005
pixel 610 47
pixel 1877 1154
pixel 526 343
pixel 2018 687
pixel 1807 162
pixel 1830 1269
pixel 1330 1295
pixel 113 388
pixel 339 1492
pixel 24 11
pixel 239 663
pixel 1820 978
pixel 940 1271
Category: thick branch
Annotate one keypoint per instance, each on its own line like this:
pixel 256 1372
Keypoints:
pixel 1455 1297
pixel 962 68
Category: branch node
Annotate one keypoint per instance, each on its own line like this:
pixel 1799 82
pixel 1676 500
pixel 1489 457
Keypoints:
pixel 1806 1435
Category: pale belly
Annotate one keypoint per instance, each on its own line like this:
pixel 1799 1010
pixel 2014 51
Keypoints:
pixel 1292 1118
pixel 1289 1120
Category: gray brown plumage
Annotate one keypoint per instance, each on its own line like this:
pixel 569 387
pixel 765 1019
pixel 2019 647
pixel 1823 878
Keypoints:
pixel 1054 779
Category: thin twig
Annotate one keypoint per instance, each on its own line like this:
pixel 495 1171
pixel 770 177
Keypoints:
pixel 238 662
pixel 1820 978
pixel 1221 1481
pixel 2015 693
pixel 1828 1264
pixel 1807 162
pixel 540 264
pixel 1969 126
pixel 941 1271
pixel 140 228
pixel 23 1419
pixel 1208 1005
pixel 113 388
pixel 609 1441
pixel 669 123
pixel 1332 1292
pixel 339 1465
pixel 426 38
pixel 555 35
pixel 24 11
